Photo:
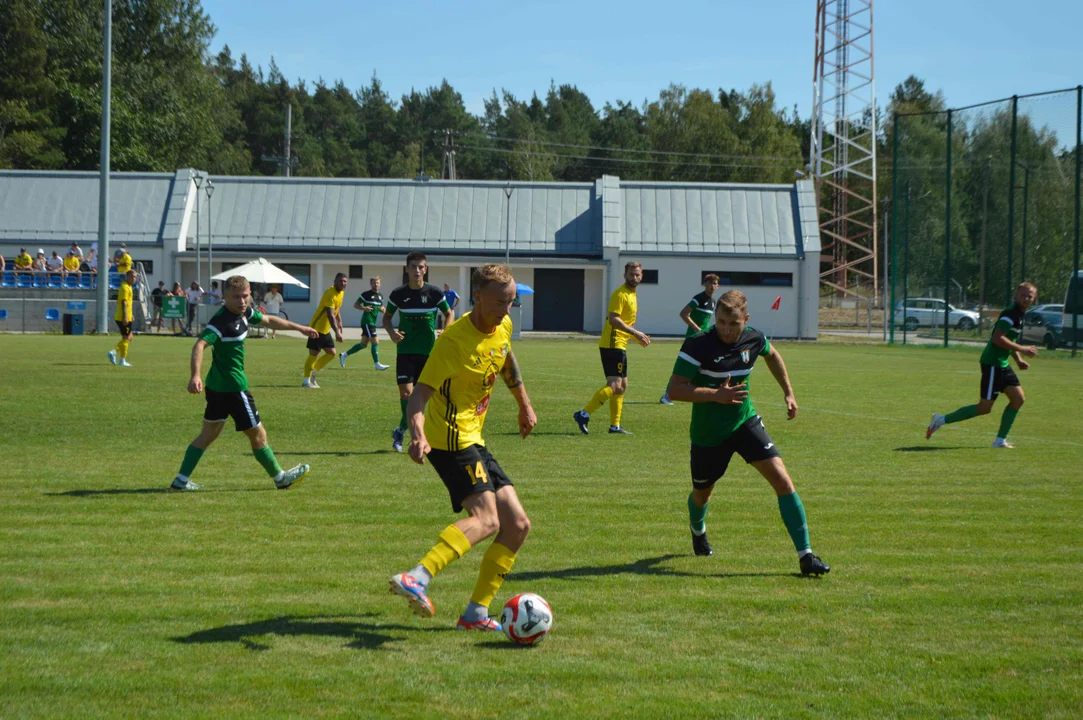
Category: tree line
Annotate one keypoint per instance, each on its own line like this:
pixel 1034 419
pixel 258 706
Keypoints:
pixel 176 104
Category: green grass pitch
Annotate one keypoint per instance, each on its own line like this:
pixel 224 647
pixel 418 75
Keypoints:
pixel 956 569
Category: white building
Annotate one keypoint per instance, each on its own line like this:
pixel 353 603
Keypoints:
pixel 569 241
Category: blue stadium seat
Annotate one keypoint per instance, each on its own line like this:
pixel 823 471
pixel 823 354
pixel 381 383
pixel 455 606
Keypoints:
pixel 8 280
pixel 52 314
pixel 56 282
pixel 86 282
pixel 114 281
pixel 24 281
pixel 41 281
pixel 71 282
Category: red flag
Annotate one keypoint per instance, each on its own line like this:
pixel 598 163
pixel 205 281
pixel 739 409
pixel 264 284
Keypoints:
pixel 778 301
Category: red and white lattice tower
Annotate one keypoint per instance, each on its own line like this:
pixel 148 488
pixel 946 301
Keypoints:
pixel 844 145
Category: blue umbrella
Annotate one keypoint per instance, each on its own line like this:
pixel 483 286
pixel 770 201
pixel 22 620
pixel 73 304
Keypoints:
pixel 523 289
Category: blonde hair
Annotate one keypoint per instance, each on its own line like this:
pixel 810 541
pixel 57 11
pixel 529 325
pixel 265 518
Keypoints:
pixel 486 275
pixel 733 301
pixel 374 277
pixel 1028 285
pixel 236 282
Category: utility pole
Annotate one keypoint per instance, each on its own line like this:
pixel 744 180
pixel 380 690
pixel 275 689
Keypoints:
pixel 981 251
pixel 286 162
pixel 103 184
pixel 447 162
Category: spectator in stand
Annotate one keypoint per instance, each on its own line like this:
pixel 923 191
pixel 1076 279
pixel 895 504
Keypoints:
pixel 71 262
pixel 3 264
pixel 212 296
pixel 90 264
pixel 194 293
pixel 23 261
pixel 54 264
pixel 177 291
pixel 39 262
pixel 123 259
pixel 272 302
pixel 76 251
pixel 156 304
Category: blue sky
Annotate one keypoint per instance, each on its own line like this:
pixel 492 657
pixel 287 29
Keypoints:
pixel 972 50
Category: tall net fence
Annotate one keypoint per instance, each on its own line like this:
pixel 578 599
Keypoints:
pixel 984 198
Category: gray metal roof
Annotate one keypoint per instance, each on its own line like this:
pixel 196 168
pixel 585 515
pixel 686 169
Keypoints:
pixel 287 213
pixel 710 218
pixel 56 208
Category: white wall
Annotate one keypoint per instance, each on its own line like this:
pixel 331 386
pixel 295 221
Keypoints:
pixel 679 279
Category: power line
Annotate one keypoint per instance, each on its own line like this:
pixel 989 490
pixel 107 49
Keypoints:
pixel 619 160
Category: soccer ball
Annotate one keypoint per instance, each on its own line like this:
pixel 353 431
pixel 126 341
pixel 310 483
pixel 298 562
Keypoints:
pixel 527 619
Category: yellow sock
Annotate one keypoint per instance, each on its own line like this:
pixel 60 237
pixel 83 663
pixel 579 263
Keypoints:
pixel 615 409
pixel 451 546
pixel 121 349
pixel 322 360
pixel 599 399
pixel 309 362
pixel 495 566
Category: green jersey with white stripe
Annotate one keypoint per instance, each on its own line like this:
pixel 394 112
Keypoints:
pixel 702 310
pixel 707 362
pixel 1011 322
pixel 417 321
pixel 371 301
pixel 225 333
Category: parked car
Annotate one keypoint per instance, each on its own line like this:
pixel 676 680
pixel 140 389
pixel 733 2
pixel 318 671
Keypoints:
pixel 930 312
pixel 1043 324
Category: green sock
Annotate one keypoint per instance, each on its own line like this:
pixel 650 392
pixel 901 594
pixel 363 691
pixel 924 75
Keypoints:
pixel 375 350
pixel 191 459
pixel 268 460
pixel 355 348
pixel 793 517
pixel 963 413
pixel 402 421
pixel 697 516
pixel 1006 421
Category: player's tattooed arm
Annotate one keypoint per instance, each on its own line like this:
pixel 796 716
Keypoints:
pixel 512 377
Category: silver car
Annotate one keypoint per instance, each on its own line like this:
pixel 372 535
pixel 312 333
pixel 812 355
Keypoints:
pixel 930 313
pixel 1042 326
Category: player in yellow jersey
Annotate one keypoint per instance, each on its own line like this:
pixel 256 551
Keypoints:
pixel 618 329
pixel 124 319
pixel 327 319
pixel 123 259
pixel 446 413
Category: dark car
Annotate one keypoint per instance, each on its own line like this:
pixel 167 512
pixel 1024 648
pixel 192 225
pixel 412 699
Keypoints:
pixel 1042 326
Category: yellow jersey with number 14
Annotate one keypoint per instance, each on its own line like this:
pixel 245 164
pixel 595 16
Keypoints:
pixel 622 302
pixel 463 367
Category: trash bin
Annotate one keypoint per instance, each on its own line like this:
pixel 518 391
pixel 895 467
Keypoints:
pixel 73 323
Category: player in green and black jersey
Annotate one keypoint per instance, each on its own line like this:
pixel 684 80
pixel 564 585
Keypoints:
pixel 697 315
pixel 997 375
pixel 417 303
pixel 724 421
pixel 227 385
pixel 371 304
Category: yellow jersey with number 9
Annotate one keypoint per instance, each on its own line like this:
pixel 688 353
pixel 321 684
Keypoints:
pixel 124 303
pixel 463 368
pixel 623 302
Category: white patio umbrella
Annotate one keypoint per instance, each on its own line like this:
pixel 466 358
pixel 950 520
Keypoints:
pixel 263 271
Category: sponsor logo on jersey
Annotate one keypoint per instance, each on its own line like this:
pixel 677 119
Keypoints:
pixel 744 356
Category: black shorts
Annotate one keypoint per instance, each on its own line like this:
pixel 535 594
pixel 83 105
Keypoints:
pixel 994 379
pixel 614 362
pixel 238 405
pixel 323 341
pixel 468 471
pixel 750 440
pixel 124 327
pixel 408 368
pixel 368 331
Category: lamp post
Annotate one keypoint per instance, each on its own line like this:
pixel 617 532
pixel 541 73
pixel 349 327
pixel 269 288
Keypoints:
pixel 210 233
pixel 508 190
pixel 102 309
pixel 198 180
pixel 1026 204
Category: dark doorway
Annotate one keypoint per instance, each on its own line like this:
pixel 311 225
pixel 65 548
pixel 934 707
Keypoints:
pixel 558 300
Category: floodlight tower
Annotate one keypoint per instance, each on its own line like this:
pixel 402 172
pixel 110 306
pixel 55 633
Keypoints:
pixel 843 153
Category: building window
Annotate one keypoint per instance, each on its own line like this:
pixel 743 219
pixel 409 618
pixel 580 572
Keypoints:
pixel 650 277
pixel 295 293
pixel 357 272
pixel 148 266
pixel 744 278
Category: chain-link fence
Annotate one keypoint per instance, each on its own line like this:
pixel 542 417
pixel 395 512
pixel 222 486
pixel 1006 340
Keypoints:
pixel 984 198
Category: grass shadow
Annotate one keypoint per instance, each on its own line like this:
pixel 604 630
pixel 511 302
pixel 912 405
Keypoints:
pixel 341 453
pixel 146 491
pixel 570 433
pixel 360 633
pixel 647 566
pixel 930 448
